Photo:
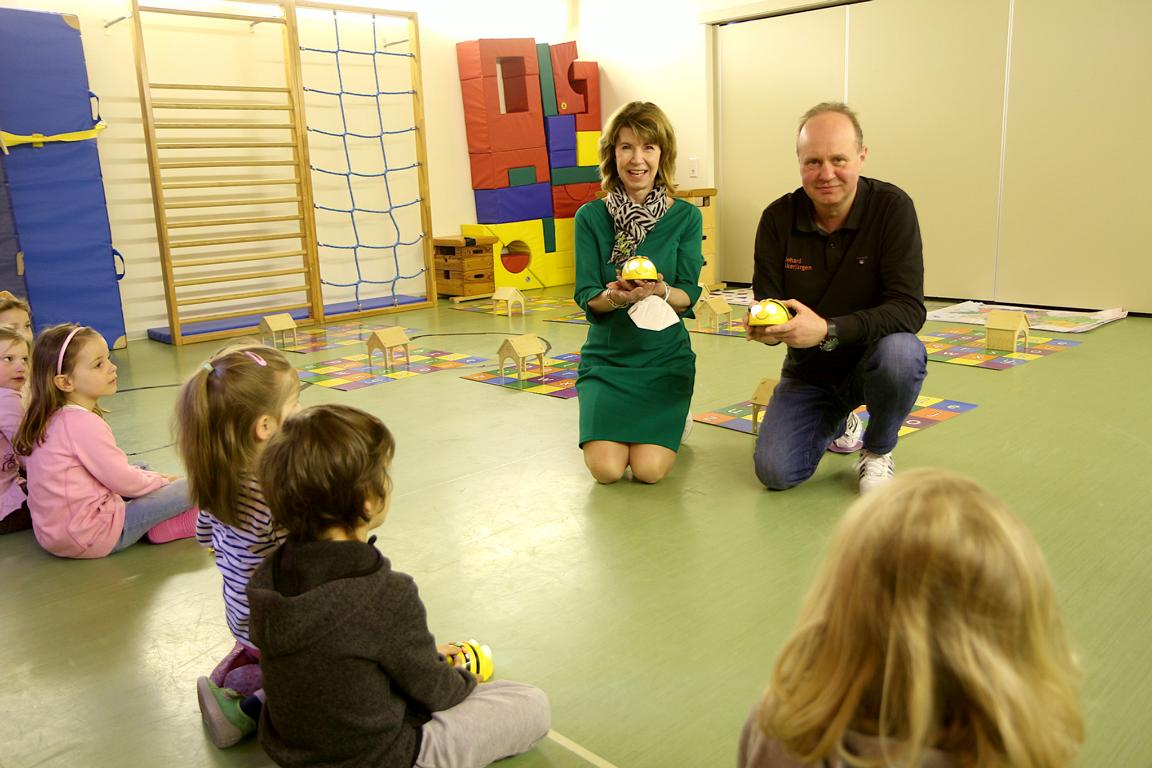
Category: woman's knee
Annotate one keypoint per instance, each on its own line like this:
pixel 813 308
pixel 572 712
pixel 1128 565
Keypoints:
pixel 606 464
pixel 650 463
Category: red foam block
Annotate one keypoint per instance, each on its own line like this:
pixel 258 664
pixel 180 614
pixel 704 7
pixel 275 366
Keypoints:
pixel 566 198
pixel 477 58
pixel 490 169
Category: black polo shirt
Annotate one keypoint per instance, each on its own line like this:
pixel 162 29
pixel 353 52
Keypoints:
pixel 867 276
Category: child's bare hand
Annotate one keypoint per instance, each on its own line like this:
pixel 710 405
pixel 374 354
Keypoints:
pixel 452 653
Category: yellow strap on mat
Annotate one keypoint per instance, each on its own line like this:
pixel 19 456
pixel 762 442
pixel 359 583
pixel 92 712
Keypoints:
pixel 39 139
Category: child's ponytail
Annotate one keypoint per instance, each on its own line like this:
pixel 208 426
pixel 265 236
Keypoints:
pixel 216 417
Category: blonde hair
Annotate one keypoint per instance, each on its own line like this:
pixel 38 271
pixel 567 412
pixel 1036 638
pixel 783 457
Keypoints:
pixel 216 416
pixel 44 397
pixel 839 108
pixel 11 334
pixel 932 624
pixel 651 126
pixel 9 300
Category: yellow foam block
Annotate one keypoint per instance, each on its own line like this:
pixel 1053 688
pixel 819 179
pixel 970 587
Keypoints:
pixel 565 235
pixel 558 268
pixel 587 147
pixel 519 254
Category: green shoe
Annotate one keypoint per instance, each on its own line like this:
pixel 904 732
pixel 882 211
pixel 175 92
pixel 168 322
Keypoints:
pixel 220 708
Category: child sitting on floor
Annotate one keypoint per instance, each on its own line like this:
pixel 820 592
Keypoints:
pixel 14 514
pixel 352 675
pixel 86 500
pixel 930 639
pixel 227 411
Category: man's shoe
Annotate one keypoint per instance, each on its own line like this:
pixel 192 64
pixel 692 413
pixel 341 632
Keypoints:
pixel 874 469
pixel 852 439
pixel 220 708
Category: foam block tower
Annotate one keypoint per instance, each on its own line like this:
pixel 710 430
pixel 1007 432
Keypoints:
pixel 532 115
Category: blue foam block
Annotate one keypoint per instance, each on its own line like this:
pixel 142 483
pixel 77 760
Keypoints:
pixel 56 190
pixel 500 206
pixel 562 158
pixel 561 132
pixel 331 312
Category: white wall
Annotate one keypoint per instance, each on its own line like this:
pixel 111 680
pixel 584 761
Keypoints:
pixel 658 53
pixel 111 73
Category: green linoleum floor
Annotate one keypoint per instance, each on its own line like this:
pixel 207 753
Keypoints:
pixel 650 615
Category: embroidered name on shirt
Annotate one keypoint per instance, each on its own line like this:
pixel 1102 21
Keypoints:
pixel 796 264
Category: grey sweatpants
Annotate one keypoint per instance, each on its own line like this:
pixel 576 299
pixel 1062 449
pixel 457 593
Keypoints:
pixel 498 719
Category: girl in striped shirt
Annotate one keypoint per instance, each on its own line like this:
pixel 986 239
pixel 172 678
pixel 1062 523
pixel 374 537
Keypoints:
pixel 228 410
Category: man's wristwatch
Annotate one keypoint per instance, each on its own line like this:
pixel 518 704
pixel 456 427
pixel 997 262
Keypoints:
pixel 831 340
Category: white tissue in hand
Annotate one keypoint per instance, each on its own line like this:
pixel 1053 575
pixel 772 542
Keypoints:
pixel 653 314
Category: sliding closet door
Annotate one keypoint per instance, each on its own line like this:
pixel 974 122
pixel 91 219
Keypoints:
pixel 1077 167
pixel 769 72
pixel 927 77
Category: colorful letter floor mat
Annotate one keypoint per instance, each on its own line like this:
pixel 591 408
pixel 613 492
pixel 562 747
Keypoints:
pixel 964 345
pixel 576 318
pixel 354 371
pixel 928 412
pixel 331 337
pixel 532 305
pixel 558 379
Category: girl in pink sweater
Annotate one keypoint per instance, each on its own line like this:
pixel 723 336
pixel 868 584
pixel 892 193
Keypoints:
pixel 86 499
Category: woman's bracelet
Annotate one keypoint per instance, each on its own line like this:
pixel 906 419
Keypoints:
pixel 667 291
pixel 608 295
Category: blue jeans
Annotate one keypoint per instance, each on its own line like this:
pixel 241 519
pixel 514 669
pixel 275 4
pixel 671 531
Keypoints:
pixel 143 512
pixel 802 419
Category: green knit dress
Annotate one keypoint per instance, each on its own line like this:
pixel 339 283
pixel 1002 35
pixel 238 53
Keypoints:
pixel 635 385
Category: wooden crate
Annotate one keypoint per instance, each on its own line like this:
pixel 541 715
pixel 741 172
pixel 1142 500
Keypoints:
pixel 464 266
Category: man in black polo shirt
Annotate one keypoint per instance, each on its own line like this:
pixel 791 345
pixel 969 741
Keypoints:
pixel 844 254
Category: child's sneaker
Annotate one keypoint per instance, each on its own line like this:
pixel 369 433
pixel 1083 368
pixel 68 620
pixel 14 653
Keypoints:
pixel 183 526
pixel 220 708
pixel 852 439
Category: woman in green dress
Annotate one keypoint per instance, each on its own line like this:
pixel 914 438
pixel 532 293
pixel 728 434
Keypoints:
pixel 636 382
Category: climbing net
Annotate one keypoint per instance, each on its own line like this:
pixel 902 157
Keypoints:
pixel 363 152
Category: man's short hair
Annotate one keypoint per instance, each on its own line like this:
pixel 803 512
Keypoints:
pixel 321 468
pixel 840 108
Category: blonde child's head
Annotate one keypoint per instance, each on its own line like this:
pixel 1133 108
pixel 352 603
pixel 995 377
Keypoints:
pixel 16 312
pixel 932 624
pixel 69 365
pixel 227 411
pixel 14 353
pixel 325 474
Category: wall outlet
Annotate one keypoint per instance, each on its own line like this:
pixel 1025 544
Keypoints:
pixel 693 167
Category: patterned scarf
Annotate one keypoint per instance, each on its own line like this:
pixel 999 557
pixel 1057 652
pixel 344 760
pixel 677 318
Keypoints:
pixel 634 221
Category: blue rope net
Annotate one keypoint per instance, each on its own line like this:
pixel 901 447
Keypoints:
pixel 375 230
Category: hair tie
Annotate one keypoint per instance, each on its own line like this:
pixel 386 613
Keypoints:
pixel 256 358
pixel 209 367
pixel 64 348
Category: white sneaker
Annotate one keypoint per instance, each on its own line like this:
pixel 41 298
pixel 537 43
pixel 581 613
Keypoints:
pixel 853 438
pixel 687 428
pixel 874 469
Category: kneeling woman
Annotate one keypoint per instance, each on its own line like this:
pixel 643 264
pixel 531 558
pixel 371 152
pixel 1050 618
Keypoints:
pixel 637 368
